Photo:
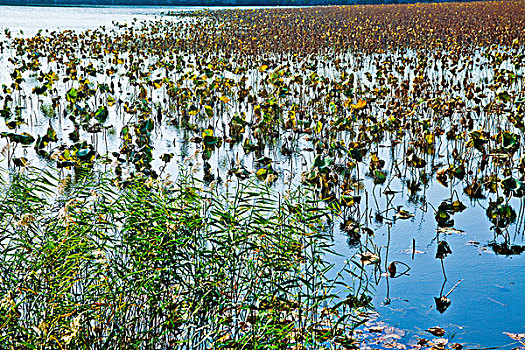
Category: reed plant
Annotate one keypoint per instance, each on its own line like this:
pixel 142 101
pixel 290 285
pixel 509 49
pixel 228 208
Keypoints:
pixel 97 263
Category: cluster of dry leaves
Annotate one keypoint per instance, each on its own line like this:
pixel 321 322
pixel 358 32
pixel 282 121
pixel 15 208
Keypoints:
pixel 379 335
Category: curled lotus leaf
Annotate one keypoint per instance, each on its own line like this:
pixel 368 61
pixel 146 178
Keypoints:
pixel 23 138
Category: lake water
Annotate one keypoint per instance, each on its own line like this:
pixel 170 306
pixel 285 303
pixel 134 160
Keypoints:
pixel 29 19
pixel 487 302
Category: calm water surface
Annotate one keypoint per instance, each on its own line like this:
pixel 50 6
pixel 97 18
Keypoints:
pixel 30 20
pixel 488 301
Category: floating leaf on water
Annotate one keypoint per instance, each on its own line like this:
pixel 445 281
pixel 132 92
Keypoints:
pixel 442 177
pixel 515 336
pixel 506 249
pixel 240 172
pixel 437 331
pixel 166 157
pixel 101 114
pixel 390 192
pixel 474 190
pixel 414 161
pixel 271 178
pixel 264 172
pixel 413 186
pixel 192 110
pixel 249 146
pixel 318 127
pixel 403 214
pixel 261 173
pixel 350 200
pixel 360 104
pixel 263 160
pixel 512 184
pixel 411 250
pixel 375 329
pixel 458 171
pixel 147 126
pixel 477 140
pixel 443 218
pixel 458 207
pixel 369 258
pixel 510 141
pixel 20 161
pixel 440 343
pixel 356 154
pixel 209 111
pixel 111 101
pixel 323 163
pixel 354 230
pixel 71 95
pixel 13 124
pixel 51 134
pixel 379 177
pixel 65 164
pixel 500 214
pixel 503 95
pixel 85 154
pixel 208 138
pixel 74 135
pixel 375 162
pixel 23 138
pixel 450 230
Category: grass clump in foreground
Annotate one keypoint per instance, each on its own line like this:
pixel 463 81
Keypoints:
pixel 150 264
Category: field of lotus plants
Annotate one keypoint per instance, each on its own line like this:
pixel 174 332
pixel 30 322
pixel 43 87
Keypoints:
pixel 179 183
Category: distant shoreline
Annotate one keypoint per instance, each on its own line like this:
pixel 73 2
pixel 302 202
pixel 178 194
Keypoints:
pixel 107 5
pixel 160 3
pixel 206 3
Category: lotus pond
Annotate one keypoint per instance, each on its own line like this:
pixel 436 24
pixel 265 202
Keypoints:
pixel 263 178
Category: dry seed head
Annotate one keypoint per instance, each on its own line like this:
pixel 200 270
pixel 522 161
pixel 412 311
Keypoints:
pixel 8 301
pixel 62 185
pixel 26 220
pixel 4 150
pixel 75 328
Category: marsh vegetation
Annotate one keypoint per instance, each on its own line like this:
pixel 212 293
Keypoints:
pixel 198 170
